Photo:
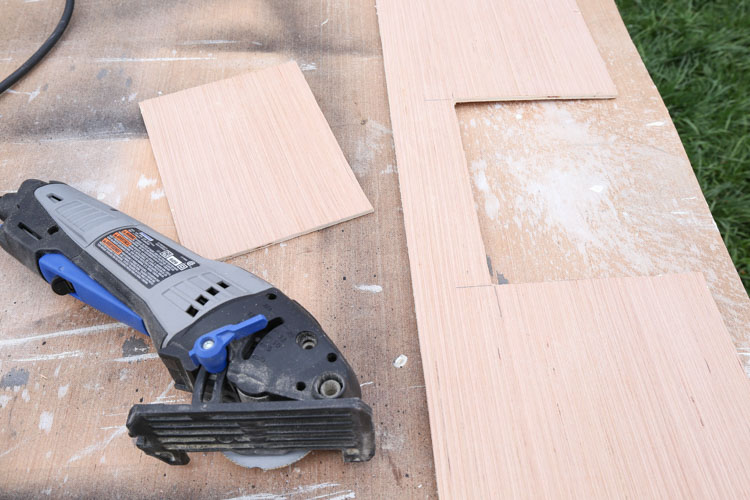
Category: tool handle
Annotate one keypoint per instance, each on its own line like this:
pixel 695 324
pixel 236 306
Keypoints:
pixel 115 263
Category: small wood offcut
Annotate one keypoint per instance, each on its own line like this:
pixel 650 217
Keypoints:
pixel 250 161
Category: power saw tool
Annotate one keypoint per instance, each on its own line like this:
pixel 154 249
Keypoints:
pixel 267 383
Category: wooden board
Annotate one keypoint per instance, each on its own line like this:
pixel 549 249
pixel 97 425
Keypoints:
pixel 486 50
pixel 596 188
pixel 250 161
pixel 445 241
pixel 82 127
pixel 611 388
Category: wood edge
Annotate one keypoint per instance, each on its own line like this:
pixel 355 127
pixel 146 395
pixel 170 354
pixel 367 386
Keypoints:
pixel 242 74
pixel 290 237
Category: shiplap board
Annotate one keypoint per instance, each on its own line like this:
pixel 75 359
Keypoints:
pixel 608 388
pixel 250 161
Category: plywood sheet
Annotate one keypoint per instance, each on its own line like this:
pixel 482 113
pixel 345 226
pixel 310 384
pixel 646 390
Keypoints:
pixel 482 50
pixel 490 432
pixel 435 54
pixel 249 161
pixel 83 128
pixel 611 388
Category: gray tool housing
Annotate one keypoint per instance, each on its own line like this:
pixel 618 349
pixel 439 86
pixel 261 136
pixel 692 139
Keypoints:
pixel 86 220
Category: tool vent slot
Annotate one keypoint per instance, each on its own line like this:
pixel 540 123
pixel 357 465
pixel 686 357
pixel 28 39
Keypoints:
pixel 201 300
pixel 54 198
pixel 192 311
pixel 212 291
pixel 28 231
pixel 222 284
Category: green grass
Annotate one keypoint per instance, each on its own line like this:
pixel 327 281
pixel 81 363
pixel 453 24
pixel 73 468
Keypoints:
pixel 698 54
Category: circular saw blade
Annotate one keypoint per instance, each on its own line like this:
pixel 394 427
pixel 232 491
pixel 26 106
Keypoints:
pixel 265 462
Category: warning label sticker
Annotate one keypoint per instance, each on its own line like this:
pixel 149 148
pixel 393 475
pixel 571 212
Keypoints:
pixel 147 259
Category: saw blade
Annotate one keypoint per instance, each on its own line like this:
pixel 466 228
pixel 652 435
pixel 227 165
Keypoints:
pixel 265 462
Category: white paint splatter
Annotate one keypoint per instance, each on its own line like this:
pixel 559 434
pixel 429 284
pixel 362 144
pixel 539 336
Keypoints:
pixel 370 288
pixel 378 127
pixel 157 194
pixel 597 188
pixel 519 116
pixel 32 95
pixel 4 400
pixel 25 395
pixel 45 421
pixel 344 496
pixel 366 383
pixel 150 59
pixel 389 169
pixel 48 357
pixel 257 43
pixel 324 22
pixel 491 202
pixel 371 144
pixel 400 361
pixel 473 123
pixel 300 490
pixel 207 42
pixel 132 96
pixel 390 441
pixel 62 391
pixel 164 395
pixel 144 182
pixel 308 67
pixel 139 357
pixel 98 446
pixel 655 124
pixel 9 450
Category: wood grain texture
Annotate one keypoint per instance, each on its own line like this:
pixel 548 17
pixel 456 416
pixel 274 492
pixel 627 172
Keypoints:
pixel 484 50
pixel 82 128
pixel 475 453
pixel 596 188
pixel 250 161
pixel 611 388
pixel 436 54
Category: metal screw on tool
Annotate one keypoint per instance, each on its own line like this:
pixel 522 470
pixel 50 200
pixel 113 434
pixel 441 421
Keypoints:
pixel 207 344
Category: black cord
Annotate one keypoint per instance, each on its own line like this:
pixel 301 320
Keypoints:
pixel 42 51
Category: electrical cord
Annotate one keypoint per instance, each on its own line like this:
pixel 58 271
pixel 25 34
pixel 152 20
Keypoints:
pixel 42 51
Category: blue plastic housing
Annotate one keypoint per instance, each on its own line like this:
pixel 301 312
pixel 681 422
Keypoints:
pixel 89 291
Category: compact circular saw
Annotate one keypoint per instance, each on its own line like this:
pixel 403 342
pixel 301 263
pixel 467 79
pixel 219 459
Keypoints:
pixel 268 384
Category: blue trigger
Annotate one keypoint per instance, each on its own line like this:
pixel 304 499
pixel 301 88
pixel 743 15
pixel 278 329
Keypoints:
pixel 210 349
pixel 87 290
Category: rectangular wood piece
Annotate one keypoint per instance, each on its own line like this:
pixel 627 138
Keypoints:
pixel 610 388
pixel 250 161
pixel 484 50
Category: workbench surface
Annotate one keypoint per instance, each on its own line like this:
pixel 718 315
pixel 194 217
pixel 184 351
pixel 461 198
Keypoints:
pixel 564 190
